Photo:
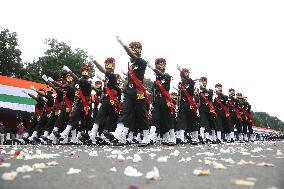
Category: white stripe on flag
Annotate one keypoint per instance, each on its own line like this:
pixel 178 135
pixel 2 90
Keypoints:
pixel 16 106
pixel 15 91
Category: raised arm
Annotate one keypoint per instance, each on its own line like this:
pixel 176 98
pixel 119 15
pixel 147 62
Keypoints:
pixel 99 67
pixel 32 96
pixel 65 68
pixel 128 50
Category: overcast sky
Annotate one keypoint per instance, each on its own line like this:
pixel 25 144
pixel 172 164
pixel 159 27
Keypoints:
pixel 237 43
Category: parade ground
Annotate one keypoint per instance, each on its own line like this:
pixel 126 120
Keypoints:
pixel 237 165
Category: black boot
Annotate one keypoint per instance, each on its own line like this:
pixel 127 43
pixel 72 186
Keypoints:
pixel 109 136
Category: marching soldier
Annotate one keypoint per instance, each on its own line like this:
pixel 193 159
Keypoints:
pixel 188 110
pixel 207 112
pixel 223 114
pixel 39 108
pixel 56 108
pixel 134 104
pixel 83 109
pixel 109 110
pixel 246 118
pixel 249 120
pixel 46 113
pixel 67 106
pixel 164 108
pixel 236 116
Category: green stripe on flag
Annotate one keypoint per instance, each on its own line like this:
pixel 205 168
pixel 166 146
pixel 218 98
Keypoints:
pixel 17 99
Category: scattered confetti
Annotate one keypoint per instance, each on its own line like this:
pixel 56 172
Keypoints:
pixel 230 160
pixel 27 176
pixel 218 165
pixel 175 153
pixel 256 150
pixel 263 164
pixel 73 171
pixel 153 175
pixel 152 155
pixel 93 153
pixel 10 176
pixel 39 166
pixel 241 182
pixel 207 162
pixel 24 169
pixel 279 153
pixel 52 163
pixel 137 158
pixel 132 172
pixel 116 152
pixel 5 164
pixel 120 157
pixel 201 172
pixel 227 151
pixel 162 159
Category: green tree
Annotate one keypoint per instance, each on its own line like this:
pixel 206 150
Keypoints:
pixel 263 119
pixel 148 84
pixel 56 56
pixel 10 55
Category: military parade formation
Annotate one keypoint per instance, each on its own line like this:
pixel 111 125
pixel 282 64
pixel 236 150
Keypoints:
pixel 107 112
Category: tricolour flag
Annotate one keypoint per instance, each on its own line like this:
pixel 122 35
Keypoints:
pixel 12 95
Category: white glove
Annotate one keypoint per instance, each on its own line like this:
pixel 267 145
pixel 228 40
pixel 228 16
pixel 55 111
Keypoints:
pixel 150 66
pixel 65 68
pixel 91 57
pixel 50 79
pixel 44 77
pixel 33 88
pixel 99 77
pixel 119 40
pixel 178 67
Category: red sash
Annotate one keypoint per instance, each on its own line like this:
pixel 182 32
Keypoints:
pixel 236 110
pixel 38 112
pixel 192 103
pixel 248 117
pixel 47 108
pixel 86 102
pixel 167 95
pixel 113 100
pixel 139 84
pixel 227 113
pixel 96 99
pixel 57 104
pixel 212 108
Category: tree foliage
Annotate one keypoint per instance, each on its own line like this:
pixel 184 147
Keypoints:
pixel 10 55
pixel 55 57
pixel 263 119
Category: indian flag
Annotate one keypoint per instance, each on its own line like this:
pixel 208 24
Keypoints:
pixel 12 95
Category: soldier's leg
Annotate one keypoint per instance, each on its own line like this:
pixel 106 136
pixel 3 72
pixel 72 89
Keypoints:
pixel 39 127
pixel 155 126
pixel 124 121
pixel 204 123
pixel 181 125
pixel 30 127
pixel 142 120
pixel 77 115
pixel 192 121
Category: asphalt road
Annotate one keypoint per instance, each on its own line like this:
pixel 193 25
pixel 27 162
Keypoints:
pixel 95 164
